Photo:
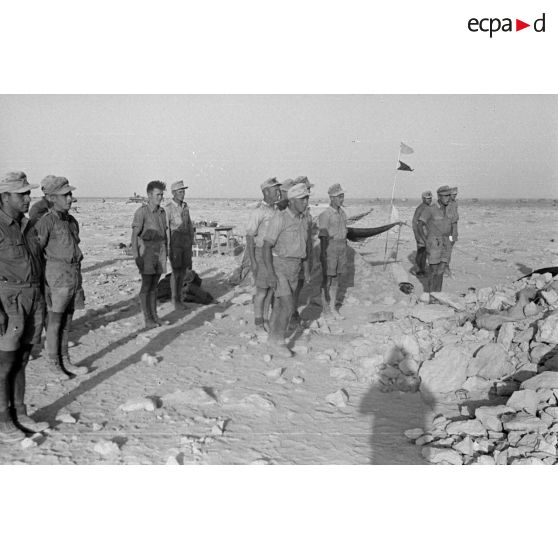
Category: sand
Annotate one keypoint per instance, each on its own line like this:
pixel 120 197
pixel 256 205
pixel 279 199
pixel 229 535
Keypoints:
pixel 233 407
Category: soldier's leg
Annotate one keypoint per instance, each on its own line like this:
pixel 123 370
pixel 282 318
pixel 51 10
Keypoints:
pixel 296 297
pixel 268 304
pixel 421 261
pixel 326 296
pixel 436 276
pixel 153 299
pixel 145 301
pixel 177 283
pixel 280 316
pixel 64 346
pixel 259 306
pixel 8 431
pixel 53 337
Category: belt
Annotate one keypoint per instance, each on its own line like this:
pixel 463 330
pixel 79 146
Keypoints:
pixel 18 284
pixel 73 262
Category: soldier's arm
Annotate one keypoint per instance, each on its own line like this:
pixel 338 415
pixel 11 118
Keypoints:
pixel 137 225
pixel 251 249
pixel 43 226
pixel 422 227
pixel 268 262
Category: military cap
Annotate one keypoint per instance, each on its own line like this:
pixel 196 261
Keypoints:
pixel 335 190
pixel 178 185
pixel 15 182
pixel 270 183
pixel 58 186
pixel 443 190
pixel 298 191
pixel 287 184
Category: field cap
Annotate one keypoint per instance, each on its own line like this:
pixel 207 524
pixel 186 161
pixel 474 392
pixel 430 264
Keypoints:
pixel 15 182
pixel 58 186
pixel 335 190
pixel 287 184
pixel 304 180
pixel 298 191
pixel 443 190
pixel 47 180
pixel 453 190
pixel 270 183
pixel 427 194
pixel 178 185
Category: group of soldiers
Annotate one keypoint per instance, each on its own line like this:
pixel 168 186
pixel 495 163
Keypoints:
pixel 435 230
pixel 279 241
pixel 40 286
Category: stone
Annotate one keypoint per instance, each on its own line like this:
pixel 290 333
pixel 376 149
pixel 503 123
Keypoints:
pixel 340 398
pixel 524 399
pixel 472 427
pixel 267 358
pixel 257 401
pixel 65 417
pixel 423 440
pixel 548 328
pixel 527 461
pixel 552 411
pixel 424 297
pixel 445 373
pixel 490 362
pixel 496 436
pixel 150 360
pixel 545 395
pixel 340 373
pixel 524 423
pixel 506 335
pixel 297 380
pixel 408 384
pixel 538 352
pixel 142 404
pixel 496 301
pixel 432 313
pixel 489 416
pixel 547 379
pixel 465 446
pixel 440 422
pixel 301 350
pixel 485 460
pixel 274 373
pixel 550 296
pixel 477 387
pixel 524 336
pixel 413 433
pixel 381 316
pixel 190 397
pixel 27 443
pixel 452 300
pixel 106 448
pixel 505 388
pixel 501 457
pixel 531 309
pixel 442 455
pixel 547 446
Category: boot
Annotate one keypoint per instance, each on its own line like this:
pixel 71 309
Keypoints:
pixel 9 433
pixel 326 310
pixel 146 309
pixel 53 365
pixel 153 307
pixel 65 361
pixel 22 419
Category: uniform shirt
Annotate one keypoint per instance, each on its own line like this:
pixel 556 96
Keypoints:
pixel 151 224
pixel 288 234
pixel 438 222
pixel 59 237
pixel 38 209
pixel 258 222
pixel 418 212
pixel 452 211
pixel 333 224
pixel 20 251
pixel 178 219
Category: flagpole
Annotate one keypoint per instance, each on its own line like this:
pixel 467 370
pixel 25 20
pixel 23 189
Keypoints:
pixel 391 205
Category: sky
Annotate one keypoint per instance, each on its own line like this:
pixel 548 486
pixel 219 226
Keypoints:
pixel 489 146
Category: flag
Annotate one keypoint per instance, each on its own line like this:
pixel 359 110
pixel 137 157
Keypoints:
pixel 405 149
pixel 404 167
pixel 394 215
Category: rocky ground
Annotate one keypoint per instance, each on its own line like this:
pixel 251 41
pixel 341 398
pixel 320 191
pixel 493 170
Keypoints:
pixel 205 389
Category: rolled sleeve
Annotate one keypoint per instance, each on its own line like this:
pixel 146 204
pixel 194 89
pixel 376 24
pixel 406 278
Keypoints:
pixel 273 229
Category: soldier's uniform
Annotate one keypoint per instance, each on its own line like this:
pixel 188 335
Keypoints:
pixel 332 224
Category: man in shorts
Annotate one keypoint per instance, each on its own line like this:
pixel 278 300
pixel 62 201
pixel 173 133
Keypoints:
pixel 59 238
pixel 435 228
pixel 256 228
pixel 149 247
pixel 181 234
pixel 420 260
pixel 332 225
pixel 21 304
pixel 287 243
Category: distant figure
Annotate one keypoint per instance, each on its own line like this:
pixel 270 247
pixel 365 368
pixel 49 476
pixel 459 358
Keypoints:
pixel 287 243
pixel 39 208
pixel 181 235
pixel 149 247
pixel 256 229
pixel 21 304
pixel 332 224
pixel 59 238
pixel 435 228
pixel 454 216
pixel 420 259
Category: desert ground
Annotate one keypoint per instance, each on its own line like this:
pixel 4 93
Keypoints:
pixel 212 393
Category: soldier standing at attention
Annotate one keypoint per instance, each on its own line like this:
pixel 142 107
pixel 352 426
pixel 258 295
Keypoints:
pixel 181 235
pixel 21 304
pixel 454 216
pixel 435 227
pixel 332 224
pixel 286 244
pixel 255 232
pixel 59 239
pixel 149 247
pixel 420 259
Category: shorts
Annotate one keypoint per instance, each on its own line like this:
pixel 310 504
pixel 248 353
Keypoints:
pixel 180 251
pixel 63 282
pixel 287 271
pixel 336 257
pixel 262 279
pixel 153 257
pixel 24 307
pixel 438 249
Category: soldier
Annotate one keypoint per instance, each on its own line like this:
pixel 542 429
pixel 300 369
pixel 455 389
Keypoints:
pixel 181 234
pixel 420 259
pixel 454 216
pixel 39 208
pixel 287 242
pixel 435 228
pixel 255 232
pixel 149 247
pixel 332 224
pixel 21 304
pixel 59 239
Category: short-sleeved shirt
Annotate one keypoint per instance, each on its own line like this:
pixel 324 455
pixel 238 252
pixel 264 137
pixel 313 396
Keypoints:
pixel 333 224
pixel 288 234
pixel 438 222
pixel 178 219
pixel 258 222
pixel 418 212
pixel 151 224
pixel 453 212
pixel 38 209
pixel 20 252
pixel 59 237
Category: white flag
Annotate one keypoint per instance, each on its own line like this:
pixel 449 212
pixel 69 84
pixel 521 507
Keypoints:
pixel 405 149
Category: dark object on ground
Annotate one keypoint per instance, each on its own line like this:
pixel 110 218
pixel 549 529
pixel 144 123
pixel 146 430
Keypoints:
pixel 543 270
pixel 354 233
pixel 382 316
pixel 406 287
pixel 191 291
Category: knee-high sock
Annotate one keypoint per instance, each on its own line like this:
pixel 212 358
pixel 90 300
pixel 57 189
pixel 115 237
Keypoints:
pixel 7 363
pixel 53 334
pixel 17 379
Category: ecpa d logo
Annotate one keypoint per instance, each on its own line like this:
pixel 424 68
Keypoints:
pixel 493 25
